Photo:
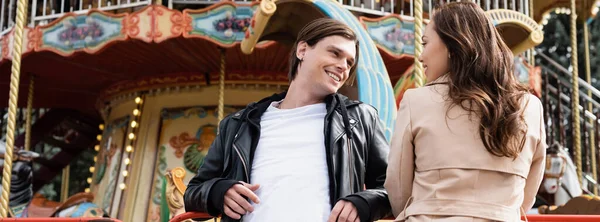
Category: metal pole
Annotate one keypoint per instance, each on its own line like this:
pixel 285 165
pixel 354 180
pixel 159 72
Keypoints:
pixel 222 86
pixel 588 78
pixel 12 105
pixel 532 51
pixel 11 6
pixel 29 114
pixel 64 187
pixel 575 95
pixel 418 72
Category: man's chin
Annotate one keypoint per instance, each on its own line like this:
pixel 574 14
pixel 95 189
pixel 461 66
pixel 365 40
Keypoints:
pixel 326 92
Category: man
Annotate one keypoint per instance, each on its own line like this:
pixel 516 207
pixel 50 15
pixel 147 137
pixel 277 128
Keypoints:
pixel 305 155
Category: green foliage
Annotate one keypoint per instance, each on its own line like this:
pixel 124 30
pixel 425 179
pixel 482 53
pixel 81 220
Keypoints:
pixel 557 44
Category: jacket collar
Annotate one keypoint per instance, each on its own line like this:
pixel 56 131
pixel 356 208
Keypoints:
pixel 444 79
pixel 255 110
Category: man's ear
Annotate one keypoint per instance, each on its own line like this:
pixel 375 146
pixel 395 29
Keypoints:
pixel 301 49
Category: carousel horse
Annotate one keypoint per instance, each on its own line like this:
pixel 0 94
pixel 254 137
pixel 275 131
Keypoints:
pixel 560 183
pixel 23 203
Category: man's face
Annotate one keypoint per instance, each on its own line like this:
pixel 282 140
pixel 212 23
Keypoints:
pixel 325 67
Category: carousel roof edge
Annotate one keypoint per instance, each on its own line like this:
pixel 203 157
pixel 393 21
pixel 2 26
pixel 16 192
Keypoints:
pixel 96 30
pixel 182 82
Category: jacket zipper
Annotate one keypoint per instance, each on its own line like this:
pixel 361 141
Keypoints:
pixel 350 176
pixel 243 162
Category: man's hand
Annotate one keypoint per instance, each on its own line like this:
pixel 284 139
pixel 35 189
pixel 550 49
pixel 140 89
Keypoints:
pixel 344 211
pixel 235 204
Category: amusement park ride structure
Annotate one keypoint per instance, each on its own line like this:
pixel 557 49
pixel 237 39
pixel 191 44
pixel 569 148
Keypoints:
pixel 145 83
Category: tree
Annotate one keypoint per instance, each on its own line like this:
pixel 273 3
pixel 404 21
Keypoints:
pixel 557 44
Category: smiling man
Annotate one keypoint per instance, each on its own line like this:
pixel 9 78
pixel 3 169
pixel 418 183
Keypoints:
pixel 304 155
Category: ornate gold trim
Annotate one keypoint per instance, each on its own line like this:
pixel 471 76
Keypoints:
pixel 177 175
pixel 505 16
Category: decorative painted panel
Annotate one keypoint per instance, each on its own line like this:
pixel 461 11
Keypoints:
pixel 394 34
pixel 407 81
pixel 225 23
pixel 156 23
pixel 108 162
pixel 9 39
pixel 185 135
pixel 82 32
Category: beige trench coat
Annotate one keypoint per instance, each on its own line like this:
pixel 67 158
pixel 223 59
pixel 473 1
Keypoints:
pixel 439 167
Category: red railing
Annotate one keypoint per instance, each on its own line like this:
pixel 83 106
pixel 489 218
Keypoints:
pixel 533 218
pixel 190 215
pixel 45 219
pixel 566 218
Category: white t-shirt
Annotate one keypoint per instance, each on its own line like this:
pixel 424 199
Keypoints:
pixel 290 165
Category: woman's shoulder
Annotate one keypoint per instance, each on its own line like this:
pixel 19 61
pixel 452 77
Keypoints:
pixel 427 94
pixel 531 102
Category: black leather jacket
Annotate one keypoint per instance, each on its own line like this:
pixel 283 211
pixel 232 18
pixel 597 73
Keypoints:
pixel 229 158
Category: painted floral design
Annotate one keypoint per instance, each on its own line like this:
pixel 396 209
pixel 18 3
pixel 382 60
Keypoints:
pixel 231 23
pixel 399 37
pixel 92 30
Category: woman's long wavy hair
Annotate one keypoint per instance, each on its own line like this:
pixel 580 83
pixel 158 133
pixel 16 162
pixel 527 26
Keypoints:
pixel 481 76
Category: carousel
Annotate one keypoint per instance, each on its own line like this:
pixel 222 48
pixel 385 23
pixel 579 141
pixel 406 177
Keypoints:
pixel 143 85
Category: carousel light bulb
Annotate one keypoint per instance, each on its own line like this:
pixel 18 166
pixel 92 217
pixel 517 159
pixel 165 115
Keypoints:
pixel 101 126
pixel 87 190
pixel 95 159
pixel 136 112
pixel 127 161
pixel 89 180
pixel 99 137
pixel 125 173
pixel 92 169
pixel 129 148
pixel 97 148
pixel 133 124
pixel 138 100
pixel 131 136
pixel 122 186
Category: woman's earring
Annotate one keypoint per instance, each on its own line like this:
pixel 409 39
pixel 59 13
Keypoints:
pixel 448 55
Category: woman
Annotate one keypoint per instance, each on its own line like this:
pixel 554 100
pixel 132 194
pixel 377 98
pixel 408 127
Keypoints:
pixel 469 146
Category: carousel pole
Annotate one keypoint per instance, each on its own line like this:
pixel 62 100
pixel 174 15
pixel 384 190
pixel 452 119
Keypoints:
pixel 12 105
pixel 531 51
pixel 575 94
pixel 588 78
pixel 29 114
pixel 64 188
pixel 221 87
pixel 418 72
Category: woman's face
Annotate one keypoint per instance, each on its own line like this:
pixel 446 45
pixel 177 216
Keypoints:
pixel 435 55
